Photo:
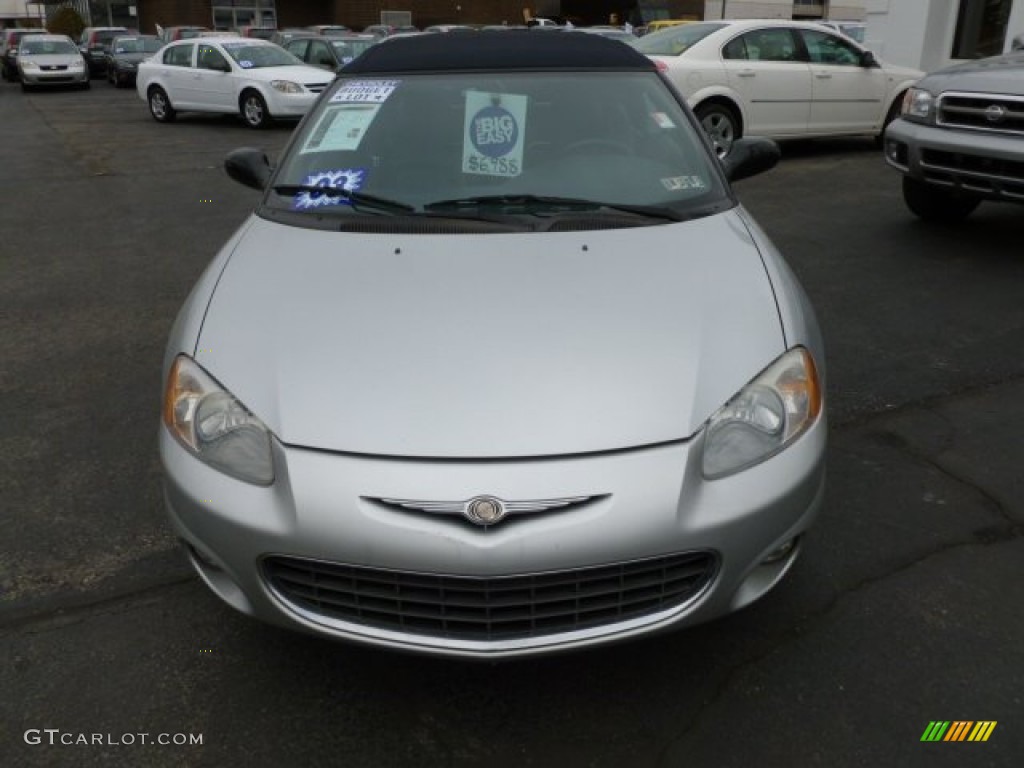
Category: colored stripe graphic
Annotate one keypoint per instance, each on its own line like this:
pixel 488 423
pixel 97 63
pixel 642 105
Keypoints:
pixel 982 730
pixel 958 730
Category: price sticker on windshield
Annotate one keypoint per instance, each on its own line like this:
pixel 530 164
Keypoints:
pixel 367 91
pixel 495 132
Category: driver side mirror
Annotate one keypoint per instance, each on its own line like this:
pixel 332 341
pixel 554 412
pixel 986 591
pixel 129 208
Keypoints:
pixel 750 156
pixel 868 60
pixel 249 166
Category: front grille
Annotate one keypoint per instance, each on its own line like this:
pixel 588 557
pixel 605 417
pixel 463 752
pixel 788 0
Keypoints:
pixel 492 608
pixel 983 112
pixel 54 68
pixel 975 173
pixel 315 87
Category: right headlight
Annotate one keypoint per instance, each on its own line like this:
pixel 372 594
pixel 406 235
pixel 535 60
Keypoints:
pixel 214 426
pixel 769 413
pixel 918 104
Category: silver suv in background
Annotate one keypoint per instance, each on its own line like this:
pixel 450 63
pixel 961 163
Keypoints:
pixel 960 138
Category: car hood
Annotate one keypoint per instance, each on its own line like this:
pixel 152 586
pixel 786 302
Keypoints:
pixel 997 74
pixel 298 73
pixel 490 345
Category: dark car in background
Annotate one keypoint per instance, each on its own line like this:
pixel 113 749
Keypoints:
pixel 94 43
pixel 332 52
pixel 124 55
pixel 9 49
pixel 959 139
pixel 171 34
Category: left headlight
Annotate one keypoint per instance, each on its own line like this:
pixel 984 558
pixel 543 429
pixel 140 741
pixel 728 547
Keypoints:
pixel 917 104
pixel 779 405
pixel 286 86
pixel 214 426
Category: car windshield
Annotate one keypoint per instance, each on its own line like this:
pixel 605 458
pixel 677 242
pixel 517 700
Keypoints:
pixel 348 49
pixel 104 38
pixel 500 144
pixel 30 47
pixel 136 45
pixel 674 40
pixel 253 56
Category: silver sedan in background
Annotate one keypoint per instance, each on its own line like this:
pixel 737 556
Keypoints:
pixel 51 60
pixel 499 366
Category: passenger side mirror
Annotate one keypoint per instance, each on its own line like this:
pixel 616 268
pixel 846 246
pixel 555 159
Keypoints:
pixel 249 166
pixel 750 156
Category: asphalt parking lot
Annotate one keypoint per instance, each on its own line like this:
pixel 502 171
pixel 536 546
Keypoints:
pixel 904 609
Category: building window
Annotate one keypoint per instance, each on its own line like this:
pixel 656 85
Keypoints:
pixel 235 14
pixel 981 28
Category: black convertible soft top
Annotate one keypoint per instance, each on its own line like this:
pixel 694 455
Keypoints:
pixel 498 50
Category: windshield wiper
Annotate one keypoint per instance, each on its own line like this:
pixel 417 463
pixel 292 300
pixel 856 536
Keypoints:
pixel 359 200
pixel 555 205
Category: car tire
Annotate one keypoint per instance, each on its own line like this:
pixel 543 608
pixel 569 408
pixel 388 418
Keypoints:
pixel 936 204
pixel 160 105
pixel 85 86
pixel 721 124
pixel 254 110
pixel 25 87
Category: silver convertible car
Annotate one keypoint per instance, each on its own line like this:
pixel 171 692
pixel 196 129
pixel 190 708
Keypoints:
pixel 498 366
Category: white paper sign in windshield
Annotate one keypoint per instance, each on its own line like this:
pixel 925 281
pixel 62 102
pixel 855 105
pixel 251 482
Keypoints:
pixel 495 133
pixel 341 127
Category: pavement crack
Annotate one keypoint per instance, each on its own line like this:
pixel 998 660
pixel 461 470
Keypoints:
pixel 866 418
pixel 88 608
pixel 805 626
pixel 988 499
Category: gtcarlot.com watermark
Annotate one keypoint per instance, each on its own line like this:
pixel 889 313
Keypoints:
pixel 55 737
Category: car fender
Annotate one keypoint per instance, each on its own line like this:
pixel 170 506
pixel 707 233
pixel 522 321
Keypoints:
pixel 719 92
pixel 260 86
pixel 895 93
pixel 185 333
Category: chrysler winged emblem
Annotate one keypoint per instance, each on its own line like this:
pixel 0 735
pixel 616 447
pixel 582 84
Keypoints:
pixel 485 510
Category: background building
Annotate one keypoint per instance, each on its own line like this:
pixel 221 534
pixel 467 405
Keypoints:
pixel 928 34
pixel 846 10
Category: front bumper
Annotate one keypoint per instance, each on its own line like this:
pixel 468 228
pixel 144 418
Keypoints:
pixel 984 164
pixel 289 104
pixel 36 77
pixel 322 511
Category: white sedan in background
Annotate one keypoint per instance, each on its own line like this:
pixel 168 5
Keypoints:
pixel 232 75
pixel 780 79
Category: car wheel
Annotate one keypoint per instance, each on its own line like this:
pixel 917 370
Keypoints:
pixel 160 106
pixel 25 87
pixel 254 110
pixel 721 125
pixel 86 85
pixel 938 204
